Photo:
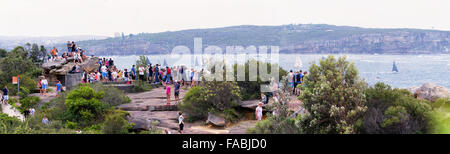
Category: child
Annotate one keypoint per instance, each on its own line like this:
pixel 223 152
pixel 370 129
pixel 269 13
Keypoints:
pixel 58 88
pixel 181 122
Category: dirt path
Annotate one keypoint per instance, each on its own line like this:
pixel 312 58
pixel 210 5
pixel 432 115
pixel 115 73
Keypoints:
pixel 11 111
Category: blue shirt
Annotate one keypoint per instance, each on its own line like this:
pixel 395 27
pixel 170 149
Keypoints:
pixel 177 86
pixel 133 71
pixel 58 87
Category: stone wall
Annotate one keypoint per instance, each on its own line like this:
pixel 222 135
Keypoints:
pixel 73 80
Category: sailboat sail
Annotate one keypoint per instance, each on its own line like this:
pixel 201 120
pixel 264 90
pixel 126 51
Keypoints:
pixel 394 67
pixel 298 63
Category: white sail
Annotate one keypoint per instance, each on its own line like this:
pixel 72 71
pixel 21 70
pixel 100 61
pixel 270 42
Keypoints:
pixel 298 62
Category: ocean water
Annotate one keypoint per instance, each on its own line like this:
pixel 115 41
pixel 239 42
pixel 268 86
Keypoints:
pixel 414 70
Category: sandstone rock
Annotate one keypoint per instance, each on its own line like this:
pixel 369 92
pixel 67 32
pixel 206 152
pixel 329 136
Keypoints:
pixel 252 104
pixel 57 70
pixel 133 107
pixel 431 91
pixel 215 120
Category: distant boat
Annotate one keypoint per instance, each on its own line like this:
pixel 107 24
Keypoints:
pixel 298 63
pixel 394 67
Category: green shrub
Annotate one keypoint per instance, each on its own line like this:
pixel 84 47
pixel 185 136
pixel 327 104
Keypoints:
pixel 216 96
pixel 439 118
pixel 8 124
pixel 141 86
pixel 24 92
pixel 115 123
pixel 84 105
pixel 112 96
pixel 29 102
pixel 394 111
pixel 333 94
pixel 71 125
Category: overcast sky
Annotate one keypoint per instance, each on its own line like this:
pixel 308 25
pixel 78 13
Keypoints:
pixel 105 17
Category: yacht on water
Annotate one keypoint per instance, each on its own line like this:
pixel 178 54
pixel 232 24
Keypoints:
pixel 298 62
pixel 394 67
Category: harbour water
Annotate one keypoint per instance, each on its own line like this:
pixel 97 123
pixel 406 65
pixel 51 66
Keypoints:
pixel 413 70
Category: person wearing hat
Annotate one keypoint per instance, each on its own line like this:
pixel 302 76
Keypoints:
pixel 258 111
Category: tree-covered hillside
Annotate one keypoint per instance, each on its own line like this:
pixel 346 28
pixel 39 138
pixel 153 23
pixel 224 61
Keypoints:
pixel 304 38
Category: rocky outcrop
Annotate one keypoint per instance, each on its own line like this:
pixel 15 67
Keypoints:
pixel 430 91
pixel 57 70
pixel 215 120
pixel 251 104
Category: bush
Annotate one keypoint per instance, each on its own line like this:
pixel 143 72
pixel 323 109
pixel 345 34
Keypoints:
pixel 334 96
pixel 8 124
pixel 141 86
pixel 84 105
pixel 115 123
pixel 29 102
pixel 24 92
pixel 112 96
pixel 439 118
pixel 71 125
pixel 394 111
pixel 217 96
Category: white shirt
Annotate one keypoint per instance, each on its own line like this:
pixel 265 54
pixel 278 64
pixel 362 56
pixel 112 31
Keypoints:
pixel 141 70
pixel 114 75
pixel 104 68
pixel 44 82
pixel 291 77
pixel 259 111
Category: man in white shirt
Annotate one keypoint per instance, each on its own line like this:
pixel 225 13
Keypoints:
pixel 104 72
pixel 141 73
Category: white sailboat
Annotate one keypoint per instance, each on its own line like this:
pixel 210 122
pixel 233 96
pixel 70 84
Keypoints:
pixel 298 62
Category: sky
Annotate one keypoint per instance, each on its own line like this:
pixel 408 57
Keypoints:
pixel 107 17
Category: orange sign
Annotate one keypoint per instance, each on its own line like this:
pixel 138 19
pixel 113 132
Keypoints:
pixel 14 80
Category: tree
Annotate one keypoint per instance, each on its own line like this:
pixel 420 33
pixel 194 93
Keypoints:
pixel 394 111
pixel 333 96
pixel 38 54
pixel 17 63
pixel 84 104
pixel 3 53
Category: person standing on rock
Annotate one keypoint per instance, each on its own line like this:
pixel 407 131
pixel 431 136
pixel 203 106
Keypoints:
pixel 5 95
pixel 168 94
pixel 133 74
pixel 141 73
pixel 177 90
pixel 58 88
pixel 69 48
pixel 258 111
pixel 44 83
pixel 181 121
